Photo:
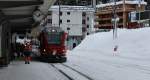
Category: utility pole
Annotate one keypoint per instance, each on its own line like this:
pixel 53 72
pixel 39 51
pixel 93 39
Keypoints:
pixel 124 15
pixel 68 29
pixel 94 4
pixel 115 20
pixel 139 6
pixel 59 13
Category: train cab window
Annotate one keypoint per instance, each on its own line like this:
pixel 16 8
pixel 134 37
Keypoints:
pixel 54 38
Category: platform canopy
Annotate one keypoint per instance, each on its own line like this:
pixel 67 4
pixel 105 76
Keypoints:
pixel 19 13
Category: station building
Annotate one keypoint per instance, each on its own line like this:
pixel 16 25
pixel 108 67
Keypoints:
pixel 77 21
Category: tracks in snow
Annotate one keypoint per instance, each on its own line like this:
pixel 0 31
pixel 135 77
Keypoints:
pixel 70 73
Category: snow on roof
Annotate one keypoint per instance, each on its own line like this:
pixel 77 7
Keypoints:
pixel 71 8
pixel 121 2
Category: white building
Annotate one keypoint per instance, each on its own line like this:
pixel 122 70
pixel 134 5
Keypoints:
pixel 77 21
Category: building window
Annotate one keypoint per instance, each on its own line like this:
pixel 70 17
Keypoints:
pixel 87 18
pixel 87 33
pixel 83 29
pixel 49 21
pixel 83 21
pixel 87 26
pixel 68 13
pixel 83 14
pixel 68 21
pixel 60 21
pixel 60 13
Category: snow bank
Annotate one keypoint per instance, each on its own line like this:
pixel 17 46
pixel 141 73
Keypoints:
pixel 95 55
pixel 130 43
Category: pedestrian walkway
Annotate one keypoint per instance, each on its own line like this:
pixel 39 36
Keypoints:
pixel 17 70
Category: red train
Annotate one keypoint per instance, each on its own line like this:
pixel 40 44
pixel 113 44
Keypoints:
pixel 52 44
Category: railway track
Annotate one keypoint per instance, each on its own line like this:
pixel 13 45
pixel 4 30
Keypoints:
pixel 84 76
pixel 62 72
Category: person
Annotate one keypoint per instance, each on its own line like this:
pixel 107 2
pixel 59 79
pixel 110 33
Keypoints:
pixel 27 52
pixel 15 55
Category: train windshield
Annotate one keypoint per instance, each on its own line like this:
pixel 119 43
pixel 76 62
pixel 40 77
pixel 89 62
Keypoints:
pixel 54 38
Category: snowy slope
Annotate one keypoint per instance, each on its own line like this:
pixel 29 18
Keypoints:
pixel 130 42
pixel 95 55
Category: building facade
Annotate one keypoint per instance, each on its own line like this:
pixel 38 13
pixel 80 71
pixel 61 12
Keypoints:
pixel 148 4
pixel 105 13
pixel 77 21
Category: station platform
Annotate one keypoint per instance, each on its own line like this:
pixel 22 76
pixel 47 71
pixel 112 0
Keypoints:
pixel 18 70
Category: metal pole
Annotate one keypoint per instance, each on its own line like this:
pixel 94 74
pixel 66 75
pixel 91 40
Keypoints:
pixel 124 14
pixel 68 37
pixel 139 5
pixel 59 13
pixel 114 20
pixel 94 4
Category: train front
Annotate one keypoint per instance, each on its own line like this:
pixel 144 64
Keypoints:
pixel 53 44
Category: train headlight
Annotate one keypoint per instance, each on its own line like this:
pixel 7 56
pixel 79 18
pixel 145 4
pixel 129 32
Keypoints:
pixel 64 50
pixel 53 30
pixel 44 50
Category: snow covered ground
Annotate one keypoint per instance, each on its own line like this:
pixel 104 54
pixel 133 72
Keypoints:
pixel 95 56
